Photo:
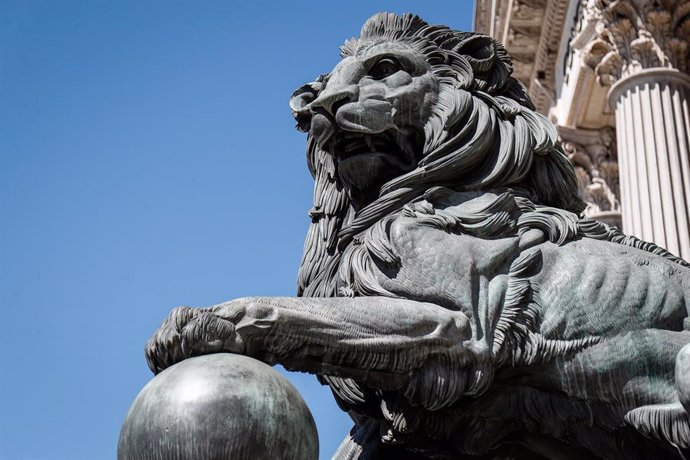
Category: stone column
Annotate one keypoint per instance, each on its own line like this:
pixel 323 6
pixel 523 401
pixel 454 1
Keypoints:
pixel 652 122
pixel 642 51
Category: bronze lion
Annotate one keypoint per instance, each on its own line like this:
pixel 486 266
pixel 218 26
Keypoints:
pixel 450 293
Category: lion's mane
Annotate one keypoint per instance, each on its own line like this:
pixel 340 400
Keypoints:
pixel 483 133
pixel 483 136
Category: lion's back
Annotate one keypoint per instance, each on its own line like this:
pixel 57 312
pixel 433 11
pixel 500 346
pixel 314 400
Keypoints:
pixel 583 287
pixel 590 286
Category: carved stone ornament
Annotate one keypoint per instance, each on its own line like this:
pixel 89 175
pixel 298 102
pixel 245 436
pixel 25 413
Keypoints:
pixel 526 11
pixel 639 34
pixel 451 294
pixel 596 168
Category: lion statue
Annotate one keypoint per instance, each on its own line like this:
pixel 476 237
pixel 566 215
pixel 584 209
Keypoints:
pixel 450 293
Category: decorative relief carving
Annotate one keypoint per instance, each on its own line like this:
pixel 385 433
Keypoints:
pixel 542 85
pixel 639 34
pixel 596 167
pixel 521 42
pixel 532 36
pixel 525 12
pixel 522 70
pixel 534 4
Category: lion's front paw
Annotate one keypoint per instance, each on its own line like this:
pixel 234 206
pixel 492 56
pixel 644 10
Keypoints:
pixel 188 332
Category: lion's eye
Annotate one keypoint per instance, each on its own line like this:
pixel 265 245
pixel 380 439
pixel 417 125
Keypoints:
pixel 384 68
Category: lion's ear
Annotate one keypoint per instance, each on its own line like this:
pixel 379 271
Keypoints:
pixel 300 100
pixel 488 58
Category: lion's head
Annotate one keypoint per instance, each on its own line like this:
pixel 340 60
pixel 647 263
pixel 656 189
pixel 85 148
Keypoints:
pixel 412 106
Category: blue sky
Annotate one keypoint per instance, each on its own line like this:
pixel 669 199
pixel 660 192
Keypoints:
pixel 147 160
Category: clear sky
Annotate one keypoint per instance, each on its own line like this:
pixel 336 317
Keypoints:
pixel 148 160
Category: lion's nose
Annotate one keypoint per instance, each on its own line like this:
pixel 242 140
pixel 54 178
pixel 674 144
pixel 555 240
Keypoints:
pixel 332 99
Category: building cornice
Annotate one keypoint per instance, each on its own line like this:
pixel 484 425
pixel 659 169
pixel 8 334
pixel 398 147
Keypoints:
pixel 531 31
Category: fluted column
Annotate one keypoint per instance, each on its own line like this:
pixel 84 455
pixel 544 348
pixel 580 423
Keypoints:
pixel 642 52
pixel 653 129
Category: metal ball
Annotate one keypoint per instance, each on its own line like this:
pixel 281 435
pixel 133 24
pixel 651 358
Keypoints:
pixel 219 406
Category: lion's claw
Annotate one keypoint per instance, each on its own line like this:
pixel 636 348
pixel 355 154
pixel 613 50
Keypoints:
pixel 165 348
pixel 188 332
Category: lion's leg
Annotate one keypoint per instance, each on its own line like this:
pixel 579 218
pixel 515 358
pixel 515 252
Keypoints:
pixel 361 443
pixel 639 377
pixel 364 442
pixel 671 421
pixel 376 340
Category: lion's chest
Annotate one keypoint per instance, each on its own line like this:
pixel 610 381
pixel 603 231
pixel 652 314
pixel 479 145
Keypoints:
pixel 448 269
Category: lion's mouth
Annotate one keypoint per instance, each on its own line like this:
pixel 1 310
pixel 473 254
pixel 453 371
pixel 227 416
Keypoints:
pixel 367 161
pixel 396 148
pixel 383 144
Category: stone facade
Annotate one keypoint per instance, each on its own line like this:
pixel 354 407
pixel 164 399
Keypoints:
pixel 613 76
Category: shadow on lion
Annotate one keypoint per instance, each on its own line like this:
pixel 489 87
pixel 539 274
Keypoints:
pixel 450 293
